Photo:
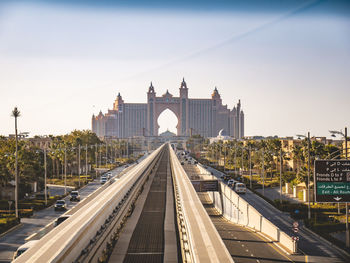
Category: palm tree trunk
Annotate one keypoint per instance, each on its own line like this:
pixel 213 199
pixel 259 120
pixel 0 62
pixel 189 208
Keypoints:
pixel 16 171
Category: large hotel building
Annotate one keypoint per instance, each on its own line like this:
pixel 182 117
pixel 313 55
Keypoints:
pixel 195 116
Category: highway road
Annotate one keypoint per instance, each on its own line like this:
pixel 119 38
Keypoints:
pixel 244 245
pixel 11 241
pixel 311 245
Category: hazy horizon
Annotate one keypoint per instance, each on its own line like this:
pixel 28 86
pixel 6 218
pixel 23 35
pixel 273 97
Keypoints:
pixel 288 62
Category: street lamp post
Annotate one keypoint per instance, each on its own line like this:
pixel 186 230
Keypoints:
pixel 308 177
pixel 235 160
pixel 281 167
pixel 106 153
pixel 65 171
pixel 45 164
pixel 347 232
pixel 79 163
pixel 250 166
pixel 263 170
pixel 242 165
pixel 86 162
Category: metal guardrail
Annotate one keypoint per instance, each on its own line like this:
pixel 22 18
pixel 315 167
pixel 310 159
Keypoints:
pixel 72 240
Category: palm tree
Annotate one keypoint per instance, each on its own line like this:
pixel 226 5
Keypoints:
pixel 16 113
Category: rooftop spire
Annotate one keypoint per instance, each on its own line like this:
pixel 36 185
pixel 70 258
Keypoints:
pixel 151 88
pixel 183 84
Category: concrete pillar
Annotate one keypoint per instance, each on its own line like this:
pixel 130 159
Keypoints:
pixel 287 188
pixel 295 192
pixel 305 195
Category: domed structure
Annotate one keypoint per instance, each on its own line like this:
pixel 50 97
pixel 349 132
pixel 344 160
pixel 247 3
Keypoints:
pixel 222 133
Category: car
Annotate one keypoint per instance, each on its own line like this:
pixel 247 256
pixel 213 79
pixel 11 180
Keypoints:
pixel 60 219
pixel 240 188
pixel 109 175
pixel 60 205
pixel 24 248
pixel 230 182
pixel 103 179
pixel 74 196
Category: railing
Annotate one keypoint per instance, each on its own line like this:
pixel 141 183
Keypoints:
pixel 80 237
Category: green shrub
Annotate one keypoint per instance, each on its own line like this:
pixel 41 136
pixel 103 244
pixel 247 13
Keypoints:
pixel 7 223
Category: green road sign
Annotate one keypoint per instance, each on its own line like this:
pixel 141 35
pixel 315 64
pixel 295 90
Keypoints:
pixel 332 181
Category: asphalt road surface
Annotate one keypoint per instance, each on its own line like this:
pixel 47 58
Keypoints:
pixel 313 248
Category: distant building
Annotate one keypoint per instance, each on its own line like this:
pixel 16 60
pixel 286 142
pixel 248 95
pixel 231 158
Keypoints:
pixel 195 116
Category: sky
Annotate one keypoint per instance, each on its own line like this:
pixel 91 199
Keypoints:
pixel 287 61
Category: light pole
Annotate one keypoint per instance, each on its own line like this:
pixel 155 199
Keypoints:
pixel 45 164
pixel 250 166
pixel 281 167
pixel 86 162
pixel 16 113
pixel 79 163
pixel 308 173
pixel 263 170
pixel 106 153
pixel 347 233
pixel 65 171
pixel 235 158
pixel 242 165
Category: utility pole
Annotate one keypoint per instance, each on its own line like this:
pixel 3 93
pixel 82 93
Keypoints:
pixel 235 157
pixel 242 166
pixel 308 178
pixel 347 204
pixel 65 171
pixel 45 164
pixel 250 166
pixel 224 159
pixel 79 163
pixel 106 153
pixel 281 167
pixel 263 171
pixel 100 155
pixel 86 162
pixel 96 156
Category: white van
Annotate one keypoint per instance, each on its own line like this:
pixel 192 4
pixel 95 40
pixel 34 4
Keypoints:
pixel 240 188
pixel 24 248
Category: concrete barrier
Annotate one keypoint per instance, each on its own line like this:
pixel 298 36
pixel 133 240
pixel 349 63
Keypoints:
pixel 237 210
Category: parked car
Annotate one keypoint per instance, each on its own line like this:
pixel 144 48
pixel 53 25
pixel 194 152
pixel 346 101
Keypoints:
pixel 74 196
pixel 24 248
pixel 103 179
pixel 60 219
pixel 240 188
pixel 60 205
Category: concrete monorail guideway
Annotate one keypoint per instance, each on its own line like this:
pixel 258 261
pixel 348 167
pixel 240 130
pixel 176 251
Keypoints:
pixel 151 214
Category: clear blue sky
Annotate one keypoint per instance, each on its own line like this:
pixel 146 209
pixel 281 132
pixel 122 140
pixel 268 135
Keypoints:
pixel 288 61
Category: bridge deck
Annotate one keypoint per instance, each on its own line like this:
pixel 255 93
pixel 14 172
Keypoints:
pixel 151 234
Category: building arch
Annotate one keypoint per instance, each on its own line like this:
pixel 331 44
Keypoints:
pixel 160 108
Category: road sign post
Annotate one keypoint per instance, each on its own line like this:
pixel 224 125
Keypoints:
pixel 332 181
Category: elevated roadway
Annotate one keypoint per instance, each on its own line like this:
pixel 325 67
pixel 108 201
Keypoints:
pixel 153 213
